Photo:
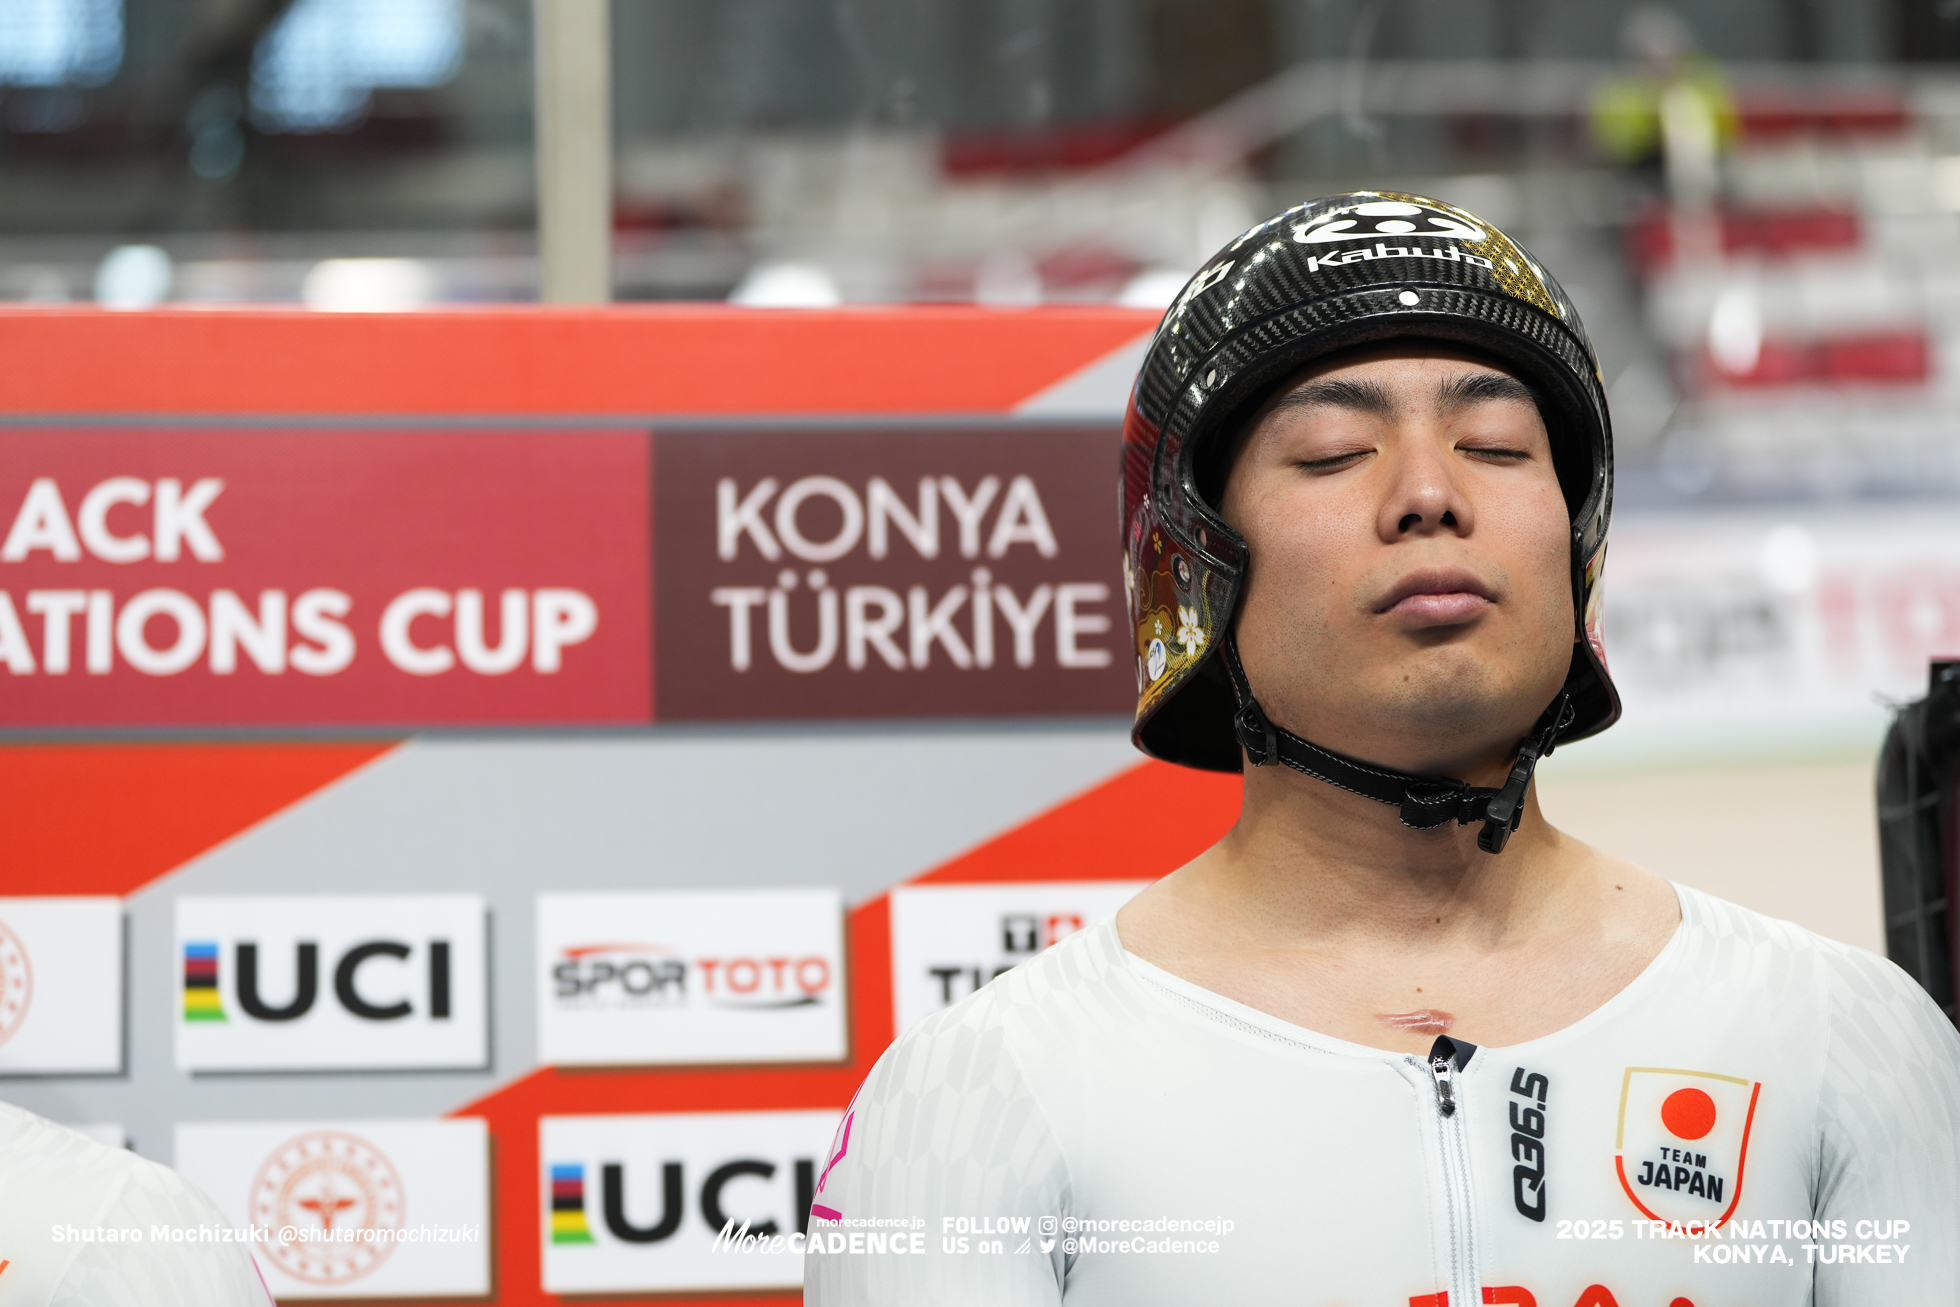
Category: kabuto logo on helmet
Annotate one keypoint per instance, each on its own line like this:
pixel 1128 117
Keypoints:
pixel 1325 275
pixel 1392 218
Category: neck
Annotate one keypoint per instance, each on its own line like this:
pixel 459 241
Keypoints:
pixel 1307 858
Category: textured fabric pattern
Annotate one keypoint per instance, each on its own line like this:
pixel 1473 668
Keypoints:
pixel 53 1178
pixel 1754 1076
pixel 944 1128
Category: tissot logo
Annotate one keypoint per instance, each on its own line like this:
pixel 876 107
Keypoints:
pixel 949 940
pixel 690 976
pixel 633 1203
pixel 352 981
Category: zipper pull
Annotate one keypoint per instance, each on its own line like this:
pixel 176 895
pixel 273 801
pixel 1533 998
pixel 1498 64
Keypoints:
pixel 1442 1065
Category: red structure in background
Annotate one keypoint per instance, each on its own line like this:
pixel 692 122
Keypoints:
pixel 1766 233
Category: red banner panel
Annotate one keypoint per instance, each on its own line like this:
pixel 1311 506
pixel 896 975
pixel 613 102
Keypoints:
pixel 285 577
pixel 903 570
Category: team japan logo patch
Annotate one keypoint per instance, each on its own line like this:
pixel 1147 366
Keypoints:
pixel 1683 1139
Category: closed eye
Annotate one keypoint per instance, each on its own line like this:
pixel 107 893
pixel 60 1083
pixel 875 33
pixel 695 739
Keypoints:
pixel 1335 462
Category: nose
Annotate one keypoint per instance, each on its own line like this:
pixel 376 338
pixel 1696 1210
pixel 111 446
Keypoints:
pixel 1424 496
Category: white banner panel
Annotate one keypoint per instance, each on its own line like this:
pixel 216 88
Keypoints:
pixel 634 1203
pixel 61 986
pixel 1768 629
pixel 353 1209
pixel 948 940
pixel 691 976
pixel 331 982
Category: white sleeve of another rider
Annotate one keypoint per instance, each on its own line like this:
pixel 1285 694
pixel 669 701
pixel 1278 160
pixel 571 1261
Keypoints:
pixel 943 1128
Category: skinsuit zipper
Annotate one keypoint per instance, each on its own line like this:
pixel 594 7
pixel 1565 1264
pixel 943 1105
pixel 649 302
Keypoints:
pixel 1446 1058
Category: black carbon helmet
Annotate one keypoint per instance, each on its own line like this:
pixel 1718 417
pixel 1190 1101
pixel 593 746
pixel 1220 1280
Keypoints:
pixel 1332 273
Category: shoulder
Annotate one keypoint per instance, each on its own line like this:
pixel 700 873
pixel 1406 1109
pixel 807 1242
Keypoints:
pixel 78 1176
pixel 978 1063
pixel 1804 973
pixel 1039 1010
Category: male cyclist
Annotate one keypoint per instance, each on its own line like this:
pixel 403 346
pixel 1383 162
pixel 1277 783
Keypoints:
pixel 1395 1040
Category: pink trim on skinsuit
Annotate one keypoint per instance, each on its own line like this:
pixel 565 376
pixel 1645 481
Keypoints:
pixel 842 1149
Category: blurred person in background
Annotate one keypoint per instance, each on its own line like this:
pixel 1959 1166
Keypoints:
pixel 1630 114
pixel 1395 1038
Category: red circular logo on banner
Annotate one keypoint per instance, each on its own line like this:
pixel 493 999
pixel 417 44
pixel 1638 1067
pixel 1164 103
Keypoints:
pixel 16 983
pixel 333 1203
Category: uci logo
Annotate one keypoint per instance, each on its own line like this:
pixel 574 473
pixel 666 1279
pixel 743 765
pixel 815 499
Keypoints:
pixel 369 997
pixel 1387 218
pixel 570 1224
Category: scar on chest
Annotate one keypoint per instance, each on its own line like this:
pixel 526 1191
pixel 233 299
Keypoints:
pixel 1426 1021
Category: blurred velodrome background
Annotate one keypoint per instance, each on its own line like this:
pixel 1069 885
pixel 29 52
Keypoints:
pixel 1755 204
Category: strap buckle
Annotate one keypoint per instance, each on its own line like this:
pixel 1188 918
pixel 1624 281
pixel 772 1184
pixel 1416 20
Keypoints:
pixel 1256 734
pixel 1505 811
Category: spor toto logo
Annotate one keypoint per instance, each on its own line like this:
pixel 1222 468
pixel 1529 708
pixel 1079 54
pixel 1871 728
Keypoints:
pixel 641 975
pixel 16 983
pixel 333 1188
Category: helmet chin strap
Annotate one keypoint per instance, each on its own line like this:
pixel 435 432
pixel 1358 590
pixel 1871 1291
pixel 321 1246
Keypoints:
pixel 1425 801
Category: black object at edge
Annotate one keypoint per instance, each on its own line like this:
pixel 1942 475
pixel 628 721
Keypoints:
pixel 1916 833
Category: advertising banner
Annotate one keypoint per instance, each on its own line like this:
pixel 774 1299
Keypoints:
pixel 888 570
pixel 331 982
pixel 1777 623
pixel 949 940
pixel 330 576
pixel 636 1203
pixel 61 986
pixel 728 619
pixel 352 1209
pixel 691 976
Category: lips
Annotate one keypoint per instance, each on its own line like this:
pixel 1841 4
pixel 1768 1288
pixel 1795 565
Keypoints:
pixel 1437 597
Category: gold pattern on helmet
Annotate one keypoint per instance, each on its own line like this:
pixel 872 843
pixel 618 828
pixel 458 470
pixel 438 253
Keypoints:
pixel 1411 220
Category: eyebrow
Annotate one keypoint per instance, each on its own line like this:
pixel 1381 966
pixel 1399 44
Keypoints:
pixel 1364 396
pixel 1468 388
pixel 1335 392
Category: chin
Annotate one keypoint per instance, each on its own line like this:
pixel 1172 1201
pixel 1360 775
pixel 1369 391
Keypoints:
pixel 1463 710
